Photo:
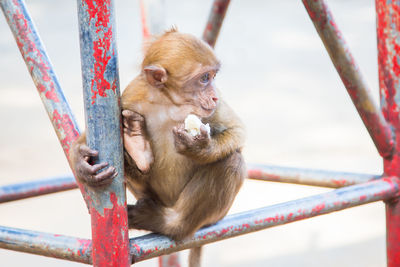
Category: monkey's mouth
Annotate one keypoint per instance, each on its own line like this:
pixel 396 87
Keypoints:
pixel 207 112
pixel 208 109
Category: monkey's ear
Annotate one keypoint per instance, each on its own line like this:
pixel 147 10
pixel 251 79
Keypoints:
pixel 155 75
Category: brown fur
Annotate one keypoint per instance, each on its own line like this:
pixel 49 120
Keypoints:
pixel 192 181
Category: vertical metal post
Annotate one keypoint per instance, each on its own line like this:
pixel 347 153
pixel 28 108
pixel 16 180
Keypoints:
pixel 215 20
pixel 107 206
pixel 388 29
pixel 153 17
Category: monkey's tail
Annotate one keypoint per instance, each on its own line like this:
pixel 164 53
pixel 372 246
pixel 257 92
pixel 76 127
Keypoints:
pixel 195 257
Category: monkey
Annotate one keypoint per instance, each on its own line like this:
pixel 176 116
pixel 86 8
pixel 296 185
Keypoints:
pixel 181 182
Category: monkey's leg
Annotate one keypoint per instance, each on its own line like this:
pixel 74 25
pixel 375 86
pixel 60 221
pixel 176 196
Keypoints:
pixel 205 199
pixel 135 140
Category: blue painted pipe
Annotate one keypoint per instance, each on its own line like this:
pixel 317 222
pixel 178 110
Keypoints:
pixel 36 188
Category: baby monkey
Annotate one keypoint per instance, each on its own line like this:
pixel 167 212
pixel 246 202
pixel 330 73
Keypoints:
pixel 181 182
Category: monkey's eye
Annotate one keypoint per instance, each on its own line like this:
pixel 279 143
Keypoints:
pixel 205 78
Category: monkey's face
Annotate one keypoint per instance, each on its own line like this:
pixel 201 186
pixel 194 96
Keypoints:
pixel 199 93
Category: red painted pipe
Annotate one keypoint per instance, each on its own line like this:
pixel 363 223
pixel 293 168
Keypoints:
pixel 152 14
pixel 154 245
pixel 349 72
pixel 41 70
pixel 107 205
pixel 215 20
pixel 45 244
pixel 312 177
pixel 388 33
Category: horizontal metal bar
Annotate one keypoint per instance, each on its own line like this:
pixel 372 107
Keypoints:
pixel 36 188
pixel 350 74
pixel 307 176
pixel 45 244
pixel 154 245
pixel 255 171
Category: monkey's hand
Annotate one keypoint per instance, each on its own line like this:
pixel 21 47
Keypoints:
pixel 87 172
pixel 187 144
pixel 135 142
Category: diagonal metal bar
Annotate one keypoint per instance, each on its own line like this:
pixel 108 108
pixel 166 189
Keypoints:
pixel 36 188
pixel 107 205
pixel 154 245
pixel 54 101
pixel 41 70
pixel 307 176
pixel 215 20
pixel 349 72
pixel 43 75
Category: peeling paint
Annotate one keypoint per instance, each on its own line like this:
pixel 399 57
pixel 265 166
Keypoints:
pixel 349 72
pixel 215 20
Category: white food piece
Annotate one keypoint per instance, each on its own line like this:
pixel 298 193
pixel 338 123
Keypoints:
pixel 193 124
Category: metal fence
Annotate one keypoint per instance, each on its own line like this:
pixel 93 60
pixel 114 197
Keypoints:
pixel 110 245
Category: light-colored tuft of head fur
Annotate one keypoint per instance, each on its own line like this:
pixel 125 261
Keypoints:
pixel 178 53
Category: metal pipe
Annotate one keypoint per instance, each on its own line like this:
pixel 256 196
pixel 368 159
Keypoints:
pixel 36 188
pixel 41 70
pixel 154 245
pixel 307 176
pixel 388 33
pixel 255 171
pixel 103 130
pixel 349 72
pixel 153 17
pixel 45 244
pixel 215 20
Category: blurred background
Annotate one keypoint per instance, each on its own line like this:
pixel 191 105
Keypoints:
pixel 278 77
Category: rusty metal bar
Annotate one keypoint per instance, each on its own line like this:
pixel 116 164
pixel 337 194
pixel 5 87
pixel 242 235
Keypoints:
pixel 45 244
pixel 349 72
pixel 54 101
pixel 255 171
pixel 41 70
pixel 103 130
pixel 215 20
pixel 153 17
pixel 388 33
pixel 154 245
pixel 262 172
pixel 307 176
pixel 36 188
pixel 169 260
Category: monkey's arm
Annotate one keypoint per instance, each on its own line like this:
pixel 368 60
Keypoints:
pixel 227 136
